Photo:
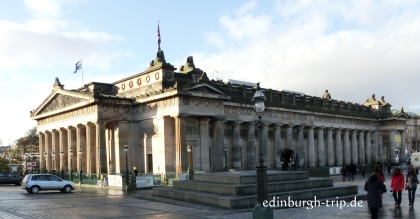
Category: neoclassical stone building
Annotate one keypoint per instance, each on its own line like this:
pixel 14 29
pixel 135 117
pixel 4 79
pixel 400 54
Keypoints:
pixel 159 112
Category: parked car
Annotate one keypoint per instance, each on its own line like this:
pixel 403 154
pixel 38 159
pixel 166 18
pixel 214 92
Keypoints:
pixel 33 183
pixel 10 178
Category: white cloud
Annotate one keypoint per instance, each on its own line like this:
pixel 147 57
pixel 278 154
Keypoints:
pixel 352 48
pixel 44 8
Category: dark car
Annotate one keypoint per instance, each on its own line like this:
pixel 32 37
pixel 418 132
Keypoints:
pixel 10 178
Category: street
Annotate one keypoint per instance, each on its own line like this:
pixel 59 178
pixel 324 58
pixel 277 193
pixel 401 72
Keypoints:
pixel 90 202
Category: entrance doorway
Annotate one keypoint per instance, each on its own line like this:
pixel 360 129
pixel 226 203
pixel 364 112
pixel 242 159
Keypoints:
pixel 149 163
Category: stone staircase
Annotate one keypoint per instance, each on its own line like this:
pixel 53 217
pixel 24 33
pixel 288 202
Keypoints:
pixel 239 189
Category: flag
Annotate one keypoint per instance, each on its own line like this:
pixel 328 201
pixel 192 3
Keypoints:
pixel 78 66
pixel 158 32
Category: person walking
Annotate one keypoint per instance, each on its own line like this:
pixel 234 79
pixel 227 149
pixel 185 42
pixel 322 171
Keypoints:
pixel 136 172
pixel 412 182
pixel 389 168
pixel 343 173
pixel 374 188
pixel 349 172
pixel 363 170
pixel 397 185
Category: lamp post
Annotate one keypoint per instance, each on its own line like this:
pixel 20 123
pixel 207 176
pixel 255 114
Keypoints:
pixel 260 211
pixel 81 165
pixel 26 163
pixel 126 165
pixel 45 163
pixel 30 156
pixel 71 164
pixel 10 164
pixel 363 156
pixel 304 160
pixel 53 158
pixel 225 150
pixel 62 170
pixel 371 160
pixel 189 161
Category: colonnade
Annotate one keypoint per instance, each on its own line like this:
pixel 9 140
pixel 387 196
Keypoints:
pixel 84 141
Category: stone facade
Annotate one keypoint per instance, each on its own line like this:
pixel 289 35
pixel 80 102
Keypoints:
pixel 159 112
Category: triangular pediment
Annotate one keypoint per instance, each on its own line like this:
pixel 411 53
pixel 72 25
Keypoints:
pixel 62 99
pixel 204 88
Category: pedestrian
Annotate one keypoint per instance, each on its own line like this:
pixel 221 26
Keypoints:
pixel 397 185
pixel 285 160
pixel 363 169
pixel 353 171
pixel 349 172
pixel 343 173
pixel 389 168
pixel 136 172
pixel 374 188
pixel 412 182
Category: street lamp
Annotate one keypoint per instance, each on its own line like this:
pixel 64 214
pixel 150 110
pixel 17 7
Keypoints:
pixel 71 164
pixel 304 160
pixel 371 160
pixel 45 158
pixel 126 164
pixel 53 158
pixel 363 155
pixel 62 170
pixel 26 156
pixel 10 164
pixel 260 211
pixel 189 161
pixel 81 165
pixel 225 150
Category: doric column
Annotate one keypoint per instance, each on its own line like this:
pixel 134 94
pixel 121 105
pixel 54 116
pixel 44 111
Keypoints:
pixel 361 147
pixel 381 149
pixel 217 152
pixel 179 142
pixel 338 148
pixel 204 144
pixel 330 148
pixel 289 136
pixel 264 142
pixel 100 150
pixel 71 144
pixel 321 147
pixel 121 139
pixel 368 148
pixel 347 151
pixel 311 148
pixel 300 142
pixel 80 142
pixel 392 146
pixel 354 149
pixel 403 147
pixel 48 147
pixel 90 145
pixel 276 146
pixel 375 148
pixel 56 149
pixel 63 148
pixel 42 148
pixel 251 146
pixel 236 147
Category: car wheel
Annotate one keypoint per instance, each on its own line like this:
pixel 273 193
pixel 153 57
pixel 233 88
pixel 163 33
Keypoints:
pixel 19 183
pixel 29 191
pixel 67 189
pixel 35 189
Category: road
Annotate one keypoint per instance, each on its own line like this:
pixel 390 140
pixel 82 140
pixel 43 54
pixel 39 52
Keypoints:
pixel 99 203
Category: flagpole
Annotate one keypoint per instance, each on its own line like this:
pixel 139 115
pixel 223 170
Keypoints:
pixel 82 71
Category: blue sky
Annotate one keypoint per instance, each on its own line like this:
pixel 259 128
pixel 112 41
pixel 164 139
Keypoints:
pixel 353 48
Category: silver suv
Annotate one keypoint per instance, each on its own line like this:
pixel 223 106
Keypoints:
pixel 33 183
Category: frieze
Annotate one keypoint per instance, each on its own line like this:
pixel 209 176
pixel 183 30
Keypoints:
pixel 61 101
pixel 68 115
pixel 149 131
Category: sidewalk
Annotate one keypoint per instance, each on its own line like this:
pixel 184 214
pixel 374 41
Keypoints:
pixel 326 212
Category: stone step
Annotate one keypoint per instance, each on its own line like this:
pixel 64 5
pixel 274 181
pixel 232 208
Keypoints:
pixel 228 201
pixel 249 176
pixel 249 189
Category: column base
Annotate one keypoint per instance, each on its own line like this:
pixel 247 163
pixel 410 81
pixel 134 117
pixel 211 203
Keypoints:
pixel 262 212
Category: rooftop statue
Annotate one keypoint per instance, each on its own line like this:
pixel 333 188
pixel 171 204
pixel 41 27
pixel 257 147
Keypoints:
pixel 189 66
pixel 326 95
pixel 383 102
pixel 371 100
